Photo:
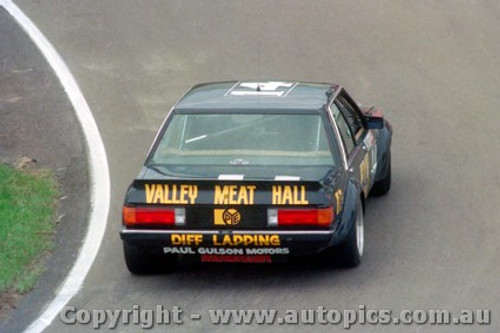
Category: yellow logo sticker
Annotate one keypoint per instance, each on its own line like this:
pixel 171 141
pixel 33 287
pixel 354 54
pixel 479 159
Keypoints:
pixel 228 216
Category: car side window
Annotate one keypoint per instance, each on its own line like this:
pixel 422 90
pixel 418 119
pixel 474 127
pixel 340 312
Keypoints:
pixel 351 116
pixel 345 131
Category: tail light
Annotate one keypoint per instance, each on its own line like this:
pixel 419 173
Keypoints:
pixel 157 216
pixel 322 217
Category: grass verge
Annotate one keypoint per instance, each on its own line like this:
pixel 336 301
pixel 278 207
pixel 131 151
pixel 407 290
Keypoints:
pixel 28 201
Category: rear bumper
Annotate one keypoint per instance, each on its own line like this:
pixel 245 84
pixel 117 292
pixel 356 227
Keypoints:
pixel 199 242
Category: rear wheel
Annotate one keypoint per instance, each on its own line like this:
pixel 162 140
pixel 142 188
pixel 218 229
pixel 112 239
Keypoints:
pixel 351 250
pixel 140 262
pixel 383 186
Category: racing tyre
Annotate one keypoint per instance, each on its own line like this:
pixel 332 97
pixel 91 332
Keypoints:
pixel 351 250
pixel 383 186
pixel 141 263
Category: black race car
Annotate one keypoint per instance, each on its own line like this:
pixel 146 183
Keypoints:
pixel 256 172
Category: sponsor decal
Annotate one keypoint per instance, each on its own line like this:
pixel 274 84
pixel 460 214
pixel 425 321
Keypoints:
pixel 226 250
pixel 220 251
pixel 229 216
pixel 186 239
pixel 246 240
pixel 171 194
pixel 260 259
pixel 267 250
pixel 289 195
pixel 183 194
pixel 230 240
pixel 178 250
pixel 234 194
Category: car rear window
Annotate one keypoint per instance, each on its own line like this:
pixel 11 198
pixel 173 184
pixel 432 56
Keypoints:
pixel 244 139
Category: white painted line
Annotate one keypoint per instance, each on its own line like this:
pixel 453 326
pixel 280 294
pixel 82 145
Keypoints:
pixel 98 167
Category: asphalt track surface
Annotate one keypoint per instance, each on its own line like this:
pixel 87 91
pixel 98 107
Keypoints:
pixel 433 67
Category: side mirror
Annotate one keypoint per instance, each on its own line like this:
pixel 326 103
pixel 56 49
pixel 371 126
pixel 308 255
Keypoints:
pixel 373 122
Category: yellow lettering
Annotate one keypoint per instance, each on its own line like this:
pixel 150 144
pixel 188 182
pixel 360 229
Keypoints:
pixel 189 239
pixel 247 240
pixel 339 196
pixel 275 240
pixel 227 240
pixel 158 197
pixel 263 240
pixel 215 241
pixel 303 201
pixel 296 200
pixel 194 239
pixel 276 195
pixel 237 240
pixel 171 194
pixel 364 173
pixel 242 196
pixel 251 191
pixel 287 196
pixel 150 191
pixel 232 194
pixel 192 193
pixel 291 195
pixel 174 199
pixel 165 190
pixel 221 195
pixel 176 239
pixel 184 192
pixel 299 198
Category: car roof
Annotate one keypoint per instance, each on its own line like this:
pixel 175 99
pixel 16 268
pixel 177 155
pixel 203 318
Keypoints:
pixel 258 95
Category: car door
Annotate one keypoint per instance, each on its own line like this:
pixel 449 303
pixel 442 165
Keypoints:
pixel 358 141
